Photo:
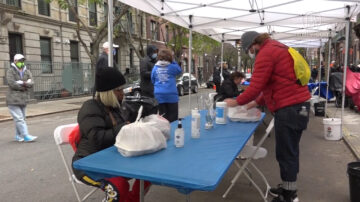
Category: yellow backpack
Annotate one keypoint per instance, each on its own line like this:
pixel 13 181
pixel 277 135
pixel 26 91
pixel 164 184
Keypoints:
pixel 301 67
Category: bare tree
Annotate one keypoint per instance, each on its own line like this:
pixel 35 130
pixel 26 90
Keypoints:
pixel 97 34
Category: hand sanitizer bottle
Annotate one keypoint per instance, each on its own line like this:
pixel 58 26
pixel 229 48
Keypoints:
pixel 195 123
pixel 179 135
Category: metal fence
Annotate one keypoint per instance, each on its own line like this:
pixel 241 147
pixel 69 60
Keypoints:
pixel 56 80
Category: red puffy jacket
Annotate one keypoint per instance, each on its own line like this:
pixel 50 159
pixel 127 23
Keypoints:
pixel 274 77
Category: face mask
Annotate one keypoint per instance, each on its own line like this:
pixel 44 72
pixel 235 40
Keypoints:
pixel 114 51
pixel 154 56
pixel 252 55
pixel 20 65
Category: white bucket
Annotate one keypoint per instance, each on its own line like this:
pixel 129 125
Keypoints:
pixel 332 129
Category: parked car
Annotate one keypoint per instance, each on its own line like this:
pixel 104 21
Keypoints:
pixel 182 84
pixel 210 83
pixel 132 85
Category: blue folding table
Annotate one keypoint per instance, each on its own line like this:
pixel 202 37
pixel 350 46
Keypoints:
pixel 199 165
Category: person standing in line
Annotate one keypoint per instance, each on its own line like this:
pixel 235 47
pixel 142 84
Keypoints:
pixel 146 66
pixel 20 80
pixel 274 84
pixel 163 76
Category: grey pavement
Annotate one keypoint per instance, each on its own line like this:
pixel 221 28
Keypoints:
pixel 34 171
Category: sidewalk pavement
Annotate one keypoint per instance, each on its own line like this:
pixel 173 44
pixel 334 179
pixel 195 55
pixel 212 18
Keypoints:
pixel 351 127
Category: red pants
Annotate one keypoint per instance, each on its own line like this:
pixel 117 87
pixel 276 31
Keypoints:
pixel 117 189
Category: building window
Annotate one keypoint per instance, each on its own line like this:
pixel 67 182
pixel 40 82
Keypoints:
pixel 92 14
pixel 15 45
pixel 72 15
pixel 141 26
pixel 15 3
pixel 130 22
pixel 45 53
pixel 131 56
pixel 167 33
pixel 44 7
pixel 153 30
pixel 74 51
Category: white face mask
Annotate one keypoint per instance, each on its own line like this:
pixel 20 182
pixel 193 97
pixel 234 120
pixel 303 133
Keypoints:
pixel 252 55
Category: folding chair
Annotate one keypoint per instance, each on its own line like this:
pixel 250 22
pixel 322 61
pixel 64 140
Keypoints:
pixel 249 153
pixel 61 136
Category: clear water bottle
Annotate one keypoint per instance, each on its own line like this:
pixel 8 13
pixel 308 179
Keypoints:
pixel 303 111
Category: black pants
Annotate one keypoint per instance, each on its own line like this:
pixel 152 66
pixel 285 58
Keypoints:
pixel 289 125
pixel 170 111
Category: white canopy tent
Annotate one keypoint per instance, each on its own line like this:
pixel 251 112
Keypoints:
pixel 296 23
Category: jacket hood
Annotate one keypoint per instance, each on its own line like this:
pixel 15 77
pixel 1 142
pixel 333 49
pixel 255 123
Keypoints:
pixel 150 50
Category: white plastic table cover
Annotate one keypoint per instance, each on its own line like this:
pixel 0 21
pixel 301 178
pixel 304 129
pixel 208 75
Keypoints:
pixel 199 165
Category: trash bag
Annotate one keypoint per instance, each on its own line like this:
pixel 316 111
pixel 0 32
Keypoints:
pixel 160 123
pixel 139 138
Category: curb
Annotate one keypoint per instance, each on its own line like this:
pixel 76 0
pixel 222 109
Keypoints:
pixel 36 115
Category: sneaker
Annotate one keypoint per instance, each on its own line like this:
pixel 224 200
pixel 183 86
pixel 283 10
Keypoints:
pixel 29 138
pixel 19 138
pixel 286 196
pixel 276 191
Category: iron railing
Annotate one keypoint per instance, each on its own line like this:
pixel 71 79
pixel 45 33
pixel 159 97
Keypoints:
pixel 56 80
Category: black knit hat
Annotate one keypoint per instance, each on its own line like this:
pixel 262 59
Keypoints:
pixel 108 78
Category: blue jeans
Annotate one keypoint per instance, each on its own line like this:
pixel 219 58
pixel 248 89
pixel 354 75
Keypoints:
pixel 18 114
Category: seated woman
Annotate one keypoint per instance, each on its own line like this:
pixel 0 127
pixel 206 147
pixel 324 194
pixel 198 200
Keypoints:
pixel 229 87
pixel 100 120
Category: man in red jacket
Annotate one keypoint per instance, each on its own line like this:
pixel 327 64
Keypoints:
pixel 274 84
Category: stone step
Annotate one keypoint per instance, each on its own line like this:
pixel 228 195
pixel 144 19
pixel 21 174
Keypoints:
pixel 3 89
pixel 2 98
pixel 2 104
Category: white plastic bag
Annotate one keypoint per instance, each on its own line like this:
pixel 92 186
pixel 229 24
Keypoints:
pixel 139 138
pixel 240 113
pixel 159 122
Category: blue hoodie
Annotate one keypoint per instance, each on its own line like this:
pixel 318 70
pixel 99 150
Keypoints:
pixel 163 76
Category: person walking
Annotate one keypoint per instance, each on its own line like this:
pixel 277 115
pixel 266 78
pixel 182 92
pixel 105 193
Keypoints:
pixel 103 60
pixel 163 76
pixel 20 80
pixel 274 84
pixel 146 66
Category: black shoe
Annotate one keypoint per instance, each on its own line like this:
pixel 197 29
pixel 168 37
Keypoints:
pixel 276 191
pixel 286 196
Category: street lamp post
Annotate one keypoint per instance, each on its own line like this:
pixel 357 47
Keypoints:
pixel 238 46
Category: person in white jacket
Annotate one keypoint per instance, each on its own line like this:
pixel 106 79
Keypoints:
pixel 20 80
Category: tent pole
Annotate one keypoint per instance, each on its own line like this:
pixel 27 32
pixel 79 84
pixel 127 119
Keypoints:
pixel 328 74
pixel 189 59
pixel 320 59
pixel 110 33
pixel 345 67
pixel 222 58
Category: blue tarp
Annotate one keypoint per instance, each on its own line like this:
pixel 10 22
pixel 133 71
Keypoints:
pixel 323 85
pixel 199 165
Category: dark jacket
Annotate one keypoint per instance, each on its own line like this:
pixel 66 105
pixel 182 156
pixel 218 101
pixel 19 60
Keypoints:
pixel 217 77
pixel 274 78
pixel 146 66
pixel 18 94
pixel 96 127
pixel 103 61
pixel 228 89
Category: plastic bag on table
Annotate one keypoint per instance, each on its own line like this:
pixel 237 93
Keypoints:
pixel 160 123
pixel 139 138
pixel 240 113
